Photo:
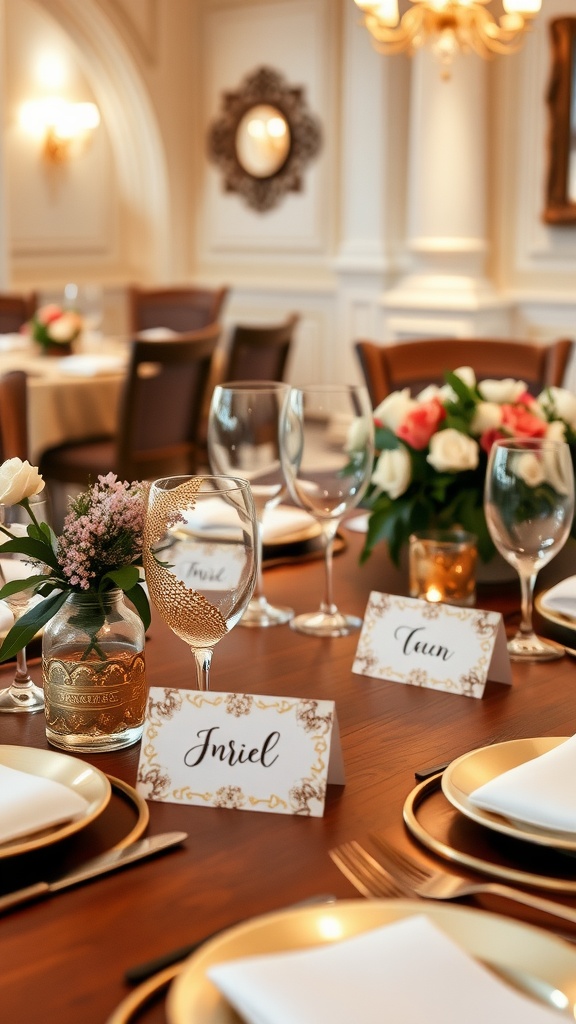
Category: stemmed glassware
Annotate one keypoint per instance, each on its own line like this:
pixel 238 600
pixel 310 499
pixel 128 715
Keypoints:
pixel 23 694
pixel 327 456
pixel 529 507
pixel 244 439
pixel 200 558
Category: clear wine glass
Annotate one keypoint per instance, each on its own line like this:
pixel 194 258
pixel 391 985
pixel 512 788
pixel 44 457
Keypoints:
pixel 23 694
pixel 529 507
pixel 244 439
pixel 327 456
pixel 200 558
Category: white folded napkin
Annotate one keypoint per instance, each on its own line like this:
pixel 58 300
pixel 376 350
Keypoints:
pixel 156 333
pixel 279 523
pixel 358 524
pixel 6 618
pixel 91 365
pixel 561 598
pixel 14 342
pixel 404 972
pixel 282 522
pixel 539 792
pixel 30 803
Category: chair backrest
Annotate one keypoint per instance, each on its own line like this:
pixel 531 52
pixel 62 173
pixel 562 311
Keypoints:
pixel 259 353
pixel 162 403
pixel 415 364
pixel 13 415
pixel 178 309
pixel 16 310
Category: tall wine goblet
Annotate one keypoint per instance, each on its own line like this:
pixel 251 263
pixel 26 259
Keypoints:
pixel 529 507
pixel 200 558
pixel 327 456
pixel 23 694
pixel 244 439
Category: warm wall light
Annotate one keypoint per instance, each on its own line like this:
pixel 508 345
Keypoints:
pixel 59 123
pixel 449 25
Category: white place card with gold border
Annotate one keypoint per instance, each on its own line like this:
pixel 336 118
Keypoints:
pixel 242 751
pixel 435 646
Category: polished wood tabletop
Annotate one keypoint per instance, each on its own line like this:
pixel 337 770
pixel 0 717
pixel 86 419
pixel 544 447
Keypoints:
pixel 63 959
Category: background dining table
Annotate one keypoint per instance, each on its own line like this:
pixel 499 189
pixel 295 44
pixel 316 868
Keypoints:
pixel 63 959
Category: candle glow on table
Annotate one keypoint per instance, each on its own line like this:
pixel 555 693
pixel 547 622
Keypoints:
pixel 443 566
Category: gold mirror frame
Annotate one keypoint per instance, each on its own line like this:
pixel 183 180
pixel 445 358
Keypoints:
pixel 264 87
pixel 561 99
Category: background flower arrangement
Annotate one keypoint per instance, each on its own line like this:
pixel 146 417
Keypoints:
pixel 100 550
pixel 52 325
pixel 432 450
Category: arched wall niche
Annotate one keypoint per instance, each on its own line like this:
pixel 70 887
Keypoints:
pixel 132 128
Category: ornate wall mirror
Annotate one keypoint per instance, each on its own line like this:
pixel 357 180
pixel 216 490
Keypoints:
pixel 263 139
pixel 561 185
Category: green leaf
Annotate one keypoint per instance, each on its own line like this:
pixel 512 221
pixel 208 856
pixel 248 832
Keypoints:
pixel 38 550
pixel 26 627
pixel 17 586
pixel 125 578
pixel 139 598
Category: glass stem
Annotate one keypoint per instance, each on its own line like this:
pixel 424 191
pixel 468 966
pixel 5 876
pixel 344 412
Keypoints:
pixel 203 659
pixel 258 595
pixel 327 606
pixel 527 582
pixel 21 676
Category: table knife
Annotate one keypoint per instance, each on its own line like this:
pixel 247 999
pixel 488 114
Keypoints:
pixel 112 860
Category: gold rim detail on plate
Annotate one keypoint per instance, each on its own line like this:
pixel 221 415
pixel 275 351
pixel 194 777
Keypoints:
pixel 142 995
pixel 78 775
pixel 547 613
pixel 473 769
pixel 142 812
pixel 528 957
pixel 418 796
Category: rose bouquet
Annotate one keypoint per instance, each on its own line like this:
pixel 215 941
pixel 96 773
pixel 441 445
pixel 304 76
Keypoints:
pixel 53 326
pixel 432 450
pixel 100 549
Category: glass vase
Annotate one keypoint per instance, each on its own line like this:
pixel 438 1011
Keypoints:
pixel 94 673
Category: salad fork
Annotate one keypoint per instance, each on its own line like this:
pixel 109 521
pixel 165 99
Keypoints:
pixel 397 875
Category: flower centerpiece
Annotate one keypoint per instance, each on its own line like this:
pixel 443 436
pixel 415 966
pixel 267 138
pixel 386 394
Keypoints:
pixel 432 451
pixel 55 328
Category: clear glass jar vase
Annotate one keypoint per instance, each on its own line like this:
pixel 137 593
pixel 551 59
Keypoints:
pixel 94 673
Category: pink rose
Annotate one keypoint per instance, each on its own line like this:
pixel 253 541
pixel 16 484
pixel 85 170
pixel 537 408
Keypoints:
pixel 520 422
pixel 420 423
pixel 47 314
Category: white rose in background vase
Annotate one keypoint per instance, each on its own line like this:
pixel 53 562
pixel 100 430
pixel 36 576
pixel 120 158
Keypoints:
pixel 392 473
pixel 487 416
pixel 559 403
pixel 502 391
pixel 556 431
pixel 452 452
pixel 530 469
pixel 18 480
pixel 392 411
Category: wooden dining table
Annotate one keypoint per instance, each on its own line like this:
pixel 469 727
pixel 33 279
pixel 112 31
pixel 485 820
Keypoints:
pixel 63 959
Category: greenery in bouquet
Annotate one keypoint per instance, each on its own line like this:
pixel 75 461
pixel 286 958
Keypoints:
pixel 432 451
pixel 53 325
pixel 99 550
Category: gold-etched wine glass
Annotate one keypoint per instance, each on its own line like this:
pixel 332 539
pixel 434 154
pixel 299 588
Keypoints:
pixel 201 558
pixel 23 695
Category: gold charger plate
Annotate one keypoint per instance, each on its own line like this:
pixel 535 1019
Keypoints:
pixel 439 827
pixel 548 613
pixel 78 775
pixel 473 769
pixel 530 959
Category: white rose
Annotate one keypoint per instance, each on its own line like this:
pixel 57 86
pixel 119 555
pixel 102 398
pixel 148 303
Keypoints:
pixel 560 403
pixel 393 472
pixel 65 328
pixel 429 393
pixel 487 416
pixel 556 431
pixel 530 469
pixel 358 434
pixel 503 392
pixel 18 480
pixel 466 375
pixel 452 452
pixel 394 408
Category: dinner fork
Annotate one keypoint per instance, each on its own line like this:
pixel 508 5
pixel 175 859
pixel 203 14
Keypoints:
pixel 396 875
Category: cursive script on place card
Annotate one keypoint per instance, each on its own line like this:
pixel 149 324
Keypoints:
pixel 240 751
pixel 436 646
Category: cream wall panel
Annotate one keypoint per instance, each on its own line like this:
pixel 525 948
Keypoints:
pixel 295 39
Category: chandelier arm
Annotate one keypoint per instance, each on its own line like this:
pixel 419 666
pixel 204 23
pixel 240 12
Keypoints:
pixel 401 37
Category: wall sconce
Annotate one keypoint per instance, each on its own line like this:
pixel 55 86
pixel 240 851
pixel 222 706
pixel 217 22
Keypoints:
pixel 59 123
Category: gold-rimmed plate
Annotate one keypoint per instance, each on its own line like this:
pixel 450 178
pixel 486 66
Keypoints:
pixel 530 959
pixel 78 775
pixel 477 767
pixel 558 618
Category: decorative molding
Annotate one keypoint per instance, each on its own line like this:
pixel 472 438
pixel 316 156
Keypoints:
pixel 142 27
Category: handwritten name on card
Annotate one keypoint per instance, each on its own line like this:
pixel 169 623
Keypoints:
pixel 436 646
pixel 214 565
pixel 238 750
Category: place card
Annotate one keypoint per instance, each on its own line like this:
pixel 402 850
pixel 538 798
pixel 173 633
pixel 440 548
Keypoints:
pixel 238 750
pixel 435 646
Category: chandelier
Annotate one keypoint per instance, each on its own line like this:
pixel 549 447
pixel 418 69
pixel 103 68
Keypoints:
pixel 449 25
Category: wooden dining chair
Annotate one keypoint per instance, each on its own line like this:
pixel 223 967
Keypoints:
pixel 16 310
pixel 159 416
pixel 259 352
pixel 13 415
pixel 179 309
pixel 415 364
